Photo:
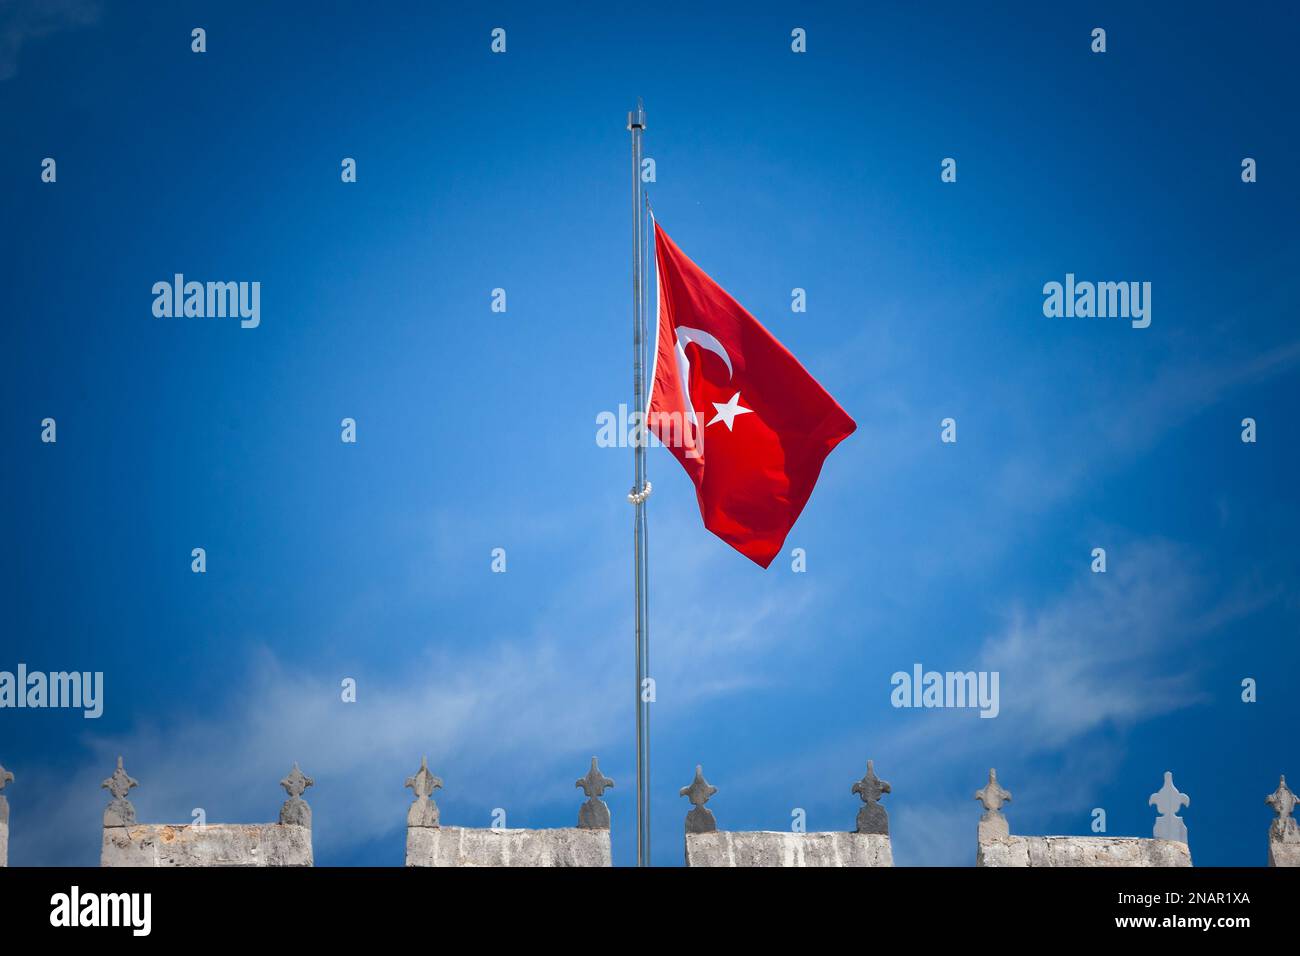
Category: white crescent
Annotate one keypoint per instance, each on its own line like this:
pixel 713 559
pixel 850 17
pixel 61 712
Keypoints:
pixel 705 340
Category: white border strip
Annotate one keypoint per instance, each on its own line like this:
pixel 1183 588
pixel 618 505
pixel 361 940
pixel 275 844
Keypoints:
pixel 654 360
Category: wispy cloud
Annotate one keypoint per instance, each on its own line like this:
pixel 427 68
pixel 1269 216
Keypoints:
pixel 506 723
pixel 1117 426
pixel 23 20
pixel 1078 672
pixel 484 719
pixel 1112 650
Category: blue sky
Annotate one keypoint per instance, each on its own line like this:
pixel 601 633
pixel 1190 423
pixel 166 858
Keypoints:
pixel 476 430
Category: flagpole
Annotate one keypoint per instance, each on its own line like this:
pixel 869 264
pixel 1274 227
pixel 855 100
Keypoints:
pixel 640 491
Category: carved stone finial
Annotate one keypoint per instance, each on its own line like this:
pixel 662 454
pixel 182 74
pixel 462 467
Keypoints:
pixel 296 810
pixel 1283 802
pixel 423 811
pixel 872 818
pixel 700 819
pixel 5 777
pixel 594 813
pixel 1167 801
pixel 994 798
pixel 992 795
pixel 120 783
pixel 119 812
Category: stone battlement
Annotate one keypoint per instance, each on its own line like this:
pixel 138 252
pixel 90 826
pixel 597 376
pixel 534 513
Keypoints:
pixel 127 842
pixel 997 847
pixel 428 843
pixel 868 845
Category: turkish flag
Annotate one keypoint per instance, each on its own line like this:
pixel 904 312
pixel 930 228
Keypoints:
pixel 745 419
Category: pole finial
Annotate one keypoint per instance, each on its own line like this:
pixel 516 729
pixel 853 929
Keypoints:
pixel 636 117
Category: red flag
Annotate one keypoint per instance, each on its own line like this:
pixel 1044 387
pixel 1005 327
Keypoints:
pixel 746 420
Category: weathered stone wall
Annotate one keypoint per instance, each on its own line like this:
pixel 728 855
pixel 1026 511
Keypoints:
pixel 216 844
pixel 461 846
pixel 776 848
pixel 1081 851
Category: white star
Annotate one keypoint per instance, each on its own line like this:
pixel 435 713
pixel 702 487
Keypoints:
pixel 727 413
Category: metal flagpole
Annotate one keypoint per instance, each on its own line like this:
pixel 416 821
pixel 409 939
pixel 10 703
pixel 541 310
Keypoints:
pixel 640 491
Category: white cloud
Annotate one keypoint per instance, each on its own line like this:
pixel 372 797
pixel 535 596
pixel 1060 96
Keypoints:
pixel 507 723
pixel 1077 674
